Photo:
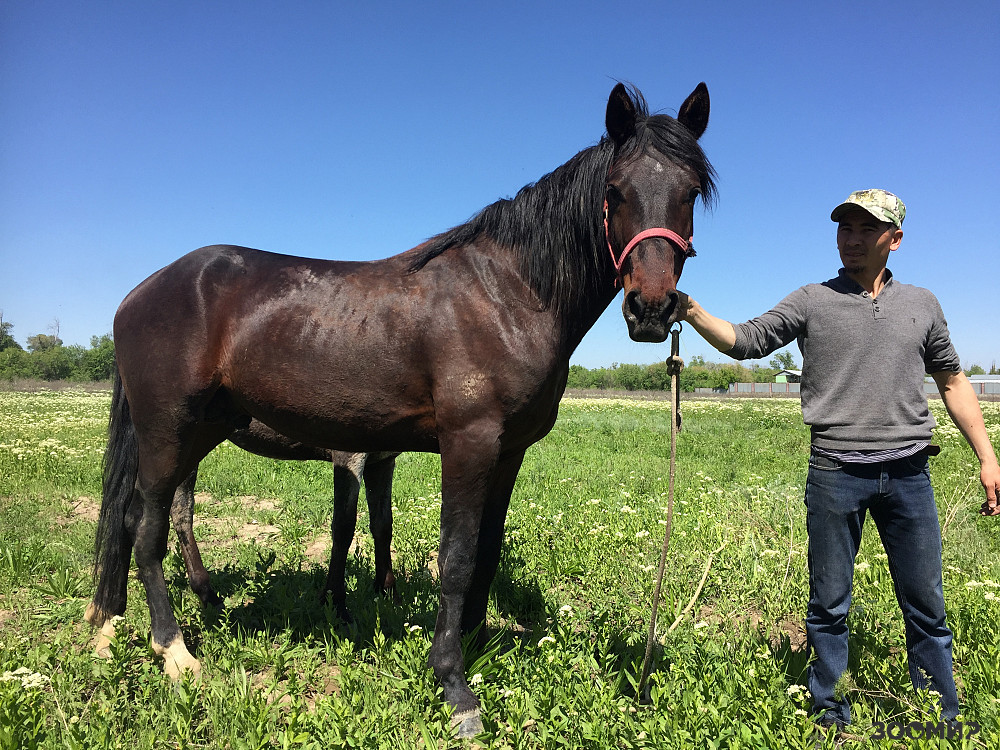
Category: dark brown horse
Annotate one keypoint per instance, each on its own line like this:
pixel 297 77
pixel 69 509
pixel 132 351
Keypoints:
pixel 460 346
pixel 349 470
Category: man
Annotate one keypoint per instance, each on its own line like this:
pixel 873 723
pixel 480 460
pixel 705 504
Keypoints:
pixel 866 342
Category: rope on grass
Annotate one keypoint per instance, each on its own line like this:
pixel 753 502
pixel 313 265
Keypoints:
pixel 697 591
pixel 674 366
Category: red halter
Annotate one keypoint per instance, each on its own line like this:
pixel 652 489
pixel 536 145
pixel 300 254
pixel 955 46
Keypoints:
pixel 668 234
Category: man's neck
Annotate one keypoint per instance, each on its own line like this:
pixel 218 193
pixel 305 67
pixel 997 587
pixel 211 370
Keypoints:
pixel 871 283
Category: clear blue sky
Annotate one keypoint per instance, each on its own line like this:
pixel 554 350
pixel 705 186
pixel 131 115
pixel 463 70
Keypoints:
pixel 131 133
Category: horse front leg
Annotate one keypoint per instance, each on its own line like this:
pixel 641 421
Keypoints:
pixel 378 490
pixel 491 533
pixel 182 518
pixel 467 463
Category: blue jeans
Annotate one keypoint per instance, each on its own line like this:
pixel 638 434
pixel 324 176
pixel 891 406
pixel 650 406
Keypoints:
pixel 899 497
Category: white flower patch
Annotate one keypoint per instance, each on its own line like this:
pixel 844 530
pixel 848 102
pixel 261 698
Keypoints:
pixel 26 677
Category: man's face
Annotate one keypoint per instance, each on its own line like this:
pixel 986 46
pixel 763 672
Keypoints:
pixel 865 242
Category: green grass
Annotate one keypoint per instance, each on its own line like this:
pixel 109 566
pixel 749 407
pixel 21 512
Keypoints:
pixel 567 619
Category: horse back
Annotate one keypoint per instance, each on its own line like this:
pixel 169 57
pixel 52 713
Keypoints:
pixel 342 355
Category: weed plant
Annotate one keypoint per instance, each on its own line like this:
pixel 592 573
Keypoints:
pixel 567 618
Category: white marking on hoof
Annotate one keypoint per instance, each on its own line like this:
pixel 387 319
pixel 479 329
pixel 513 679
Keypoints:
pixel 467 723
pixel 176 658
pixel 95 615
pixel 99 618
pixel 102 646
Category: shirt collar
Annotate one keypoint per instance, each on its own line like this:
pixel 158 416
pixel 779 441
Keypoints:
pixel 850 285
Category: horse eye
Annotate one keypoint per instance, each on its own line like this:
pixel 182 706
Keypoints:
pixel 614 195
pixel 693 194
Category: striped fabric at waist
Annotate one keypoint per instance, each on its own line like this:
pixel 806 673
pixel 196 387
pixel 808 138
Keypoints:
pixel 872 456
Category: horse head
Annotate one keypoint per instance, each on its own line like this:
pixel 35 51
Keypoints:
pixel 657 174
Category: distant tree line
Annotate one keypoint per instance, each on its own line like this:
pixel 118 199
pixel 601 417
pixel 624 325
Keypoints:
pixel 45 358
pixel 697 373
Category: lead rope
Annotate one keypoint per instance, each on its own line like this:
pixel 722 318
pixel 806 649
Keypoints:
pixel 674 366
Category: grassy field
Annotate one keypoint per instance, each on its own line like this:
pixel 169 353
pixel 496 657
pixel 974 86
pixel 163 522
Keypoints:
pixel 568 615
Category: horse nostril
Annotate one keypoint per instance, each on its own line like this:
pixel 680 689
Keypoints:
pixel 634 306
pixel 671 307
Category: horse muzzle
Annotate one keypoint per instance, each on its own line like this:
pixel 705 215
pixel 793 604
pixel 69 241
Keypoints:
pixel 646 320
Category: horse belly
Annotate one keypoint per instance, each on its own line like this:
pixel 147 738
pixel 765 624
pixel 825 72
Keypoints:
pixel 331 405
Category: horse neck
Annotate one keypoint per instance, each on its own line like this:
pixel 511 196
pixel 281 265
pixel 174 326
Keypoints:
pixel 577 319
pixel 580 294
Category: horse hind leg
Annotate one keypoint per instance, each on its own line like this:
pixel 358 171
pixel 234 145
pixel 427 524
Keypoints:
pixel 163 466
pixel 103 611
pixel 182 517
pixel 150 549
pixel 118 520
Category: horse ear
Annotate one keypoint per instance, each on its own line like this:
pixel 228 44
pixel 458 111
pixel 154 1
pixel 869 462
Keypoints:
pixel 620 117
pixel 694 111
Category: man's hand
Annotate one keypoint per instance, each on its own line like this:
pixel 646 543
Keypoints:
pixel 716 331
pixel 989 475
pixel 963 407
pixel 683 305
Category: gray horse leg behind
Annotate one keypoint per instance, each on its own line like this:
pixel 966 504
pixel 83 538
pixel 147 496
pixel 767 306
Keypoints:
pixel 350 469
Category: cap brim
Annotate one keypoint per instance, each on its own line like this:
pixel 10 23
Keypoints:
pixel 846 206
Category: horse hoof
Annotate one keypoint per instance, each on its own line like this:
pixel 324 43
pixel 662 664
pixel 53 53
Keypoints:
pixel 211 600
pixel 342 612
pixel 467 723
pixel 95 615
pixel 91 614
pixel 177 659
pixel 102 644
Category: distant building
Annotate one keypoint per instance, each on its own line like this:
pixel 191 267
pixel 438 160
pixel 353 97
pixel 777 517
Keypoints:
pixel 788 376
pixel 983 385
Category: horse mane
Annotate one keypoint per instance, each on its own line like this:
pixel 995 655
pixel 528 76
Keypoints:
pixel 555 226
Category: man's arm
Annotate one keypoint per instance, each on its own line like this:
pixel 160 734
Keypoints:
pixel 963 407
pixel 716 331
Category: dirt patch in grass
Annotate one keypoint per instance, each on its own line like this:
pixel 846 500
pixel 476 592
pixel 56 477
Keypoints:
pixel 788 626
pixel 84 508
pixel 323 682
pixel 318 550
pixel 235 530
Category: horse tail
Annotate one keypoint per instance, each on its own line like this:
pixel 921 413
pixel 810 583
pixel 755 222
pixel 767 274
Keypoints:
pixel 113 547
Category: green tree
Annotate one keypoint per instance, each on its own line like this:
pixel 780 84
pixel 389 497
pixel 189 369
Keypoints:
pixel 725 375
pixel 43 342
pixel 783 361
pixel 631 378
pixel 54 363
pixel 6 339
pixel 696 376
pixel 975 370
pixel 98 362
pixel 14 363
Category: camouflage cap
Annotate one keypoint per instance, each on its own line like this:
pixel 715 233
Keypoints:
pixel 881 204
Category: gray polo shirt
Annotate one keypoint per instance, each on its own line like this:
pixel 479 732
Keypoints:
pixel 864 359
